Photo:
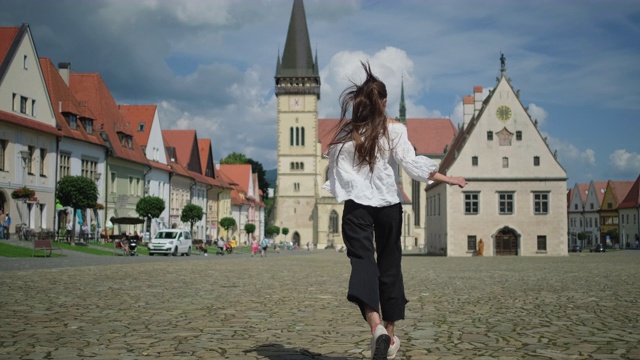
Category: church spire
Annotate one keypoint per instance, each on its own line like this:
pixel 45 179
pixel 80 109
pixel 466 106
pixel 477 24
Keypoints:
pixel 403 108
pixel 297 72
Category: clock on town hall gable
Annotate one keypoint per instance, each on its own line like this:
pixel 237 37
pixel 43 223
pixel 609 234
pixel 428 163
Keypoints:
pixel 297 87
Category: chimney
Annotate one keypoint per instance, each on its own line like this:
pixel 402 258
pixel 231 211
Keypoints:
pixel 64 69
pixel 477 94
pixel 467 109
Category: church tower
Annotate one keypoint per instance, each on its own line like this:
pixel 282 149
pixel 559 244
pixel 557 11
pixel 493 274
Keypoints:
pixel 297 87
pixel 403 108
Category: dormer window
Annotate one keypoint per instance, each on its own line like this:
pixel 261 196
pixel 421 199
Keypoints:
pixel 129 142
pixel 88 125
pixel 72 119
pixel 141 127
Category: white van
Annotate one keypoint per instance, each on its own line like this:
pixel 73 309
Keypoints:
pixel 171 241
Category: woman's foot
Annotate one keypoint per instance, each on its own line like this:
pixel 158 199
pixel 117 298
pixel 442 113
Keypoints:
pixel 380 341
pixel 393 348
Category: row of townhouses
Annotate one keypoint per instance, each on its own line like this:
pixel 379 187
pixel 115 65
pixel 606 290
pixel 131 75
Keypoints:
pixel 55 123
pixel 605 212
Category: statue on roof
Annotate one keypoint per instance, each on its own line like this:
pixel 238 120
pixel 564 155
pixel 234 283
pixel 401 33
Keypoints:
pixel 503 62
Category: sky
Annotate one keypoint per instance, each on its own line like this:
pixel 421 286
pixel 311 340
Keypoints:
pixel 209 65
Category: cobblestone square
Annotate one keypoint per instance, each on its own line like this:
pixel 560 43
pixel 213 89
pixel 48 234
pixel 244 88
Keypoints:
pixel 293 306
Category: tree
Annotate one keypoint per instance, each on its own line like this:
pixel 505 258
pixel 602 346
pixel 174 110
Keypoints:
pixel 227 223
pixel 249 229
pixel 256 167
pixel 150 207
pixel 273 230
pixel 285 232
pixel 191 213
pixel 77 192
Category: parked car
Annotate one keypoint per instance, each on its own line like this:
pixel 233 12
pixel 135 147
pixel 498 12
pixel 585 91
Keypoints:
pixel 575 248
pixel 171 241
pixel 598 248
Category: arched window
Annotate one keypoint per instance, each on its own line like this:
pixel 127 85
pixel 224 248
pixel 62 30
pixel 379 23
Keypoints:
pixel 291 136
pixel 333 222
pixel 302 136
pixel 297 166
pixel 301 166
pixel 297 136
pixel 505 162
pixel 292 166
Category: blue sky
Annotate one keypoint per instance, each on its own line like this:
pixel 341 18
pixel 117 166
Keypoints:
pixel 209 65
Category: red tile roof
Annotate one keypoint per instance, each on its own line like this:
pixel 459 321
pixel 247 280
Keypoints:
pixel 428 136
pixel 632 200
pixel 184 141
pixel 239 174
pixel 63 100
pixel 28 123
pixel 601 187
pixel 583 188
pixel 7 37
pixel 620 189
pixel 91 91
pixel 204 147
pixel 134 115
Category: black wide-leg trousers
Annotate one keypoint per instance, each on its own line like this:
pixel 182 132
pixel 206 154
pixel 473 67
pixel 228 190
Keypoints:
pixel 377 284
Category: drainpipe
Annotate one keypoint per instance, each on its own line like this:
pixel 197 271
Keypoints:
pixel 56 226
pixel 171 174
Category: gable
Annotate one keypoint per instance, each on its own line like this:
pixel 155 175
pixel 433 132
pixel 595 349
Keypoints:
pixel 23 90
pixel 502 133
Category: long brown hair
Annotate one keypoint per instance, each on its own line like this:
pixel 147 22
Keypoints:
pixel 368 121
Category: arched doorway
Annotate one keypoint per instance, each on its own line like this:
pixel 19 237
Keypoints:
pixel 506 241
pixel 3 202
pixel 296 239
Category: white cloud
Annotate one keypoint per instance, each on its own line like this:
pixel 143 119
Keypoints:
pixel 570 155
pixel 537 113
pixel 625 162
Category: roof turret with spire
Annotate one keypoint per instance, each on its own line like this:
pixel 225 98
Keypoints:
pixel 403 109
pixel 297 72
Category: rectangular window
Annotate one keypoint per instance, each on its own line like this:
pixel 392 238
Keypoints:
pixel 30 163
pixel 3 152
pixel 474 161
pixel 536 161
pixel 540 203
pixel 23 105
pixel 88 126
pixel 490 135
pixel 518 135
pixel 505 202
pixel 65 165
pixel 505 162
pixel 73 121
pixel 33 108
pixel 89 169
pixel 131 185
pixel 542 243
pixel 471 203
pixel 43 158
pixel 113 182
pixel 141 127
pixel 471 243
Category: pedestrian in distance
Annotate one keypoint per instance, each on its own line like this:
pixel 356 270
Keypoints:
pixel 364 155
pixel 2 220
pixel 254 246
pixel 264 244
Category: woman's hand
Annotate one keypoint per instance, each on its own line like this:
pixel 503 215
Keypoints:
pixel 457 181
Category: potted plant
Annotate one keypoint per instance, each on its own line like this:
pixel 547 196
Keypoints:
pixel 23 193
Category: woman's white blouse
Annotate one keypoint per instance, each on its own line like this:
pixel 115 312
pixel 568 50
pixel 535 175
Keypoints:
pixel 348 181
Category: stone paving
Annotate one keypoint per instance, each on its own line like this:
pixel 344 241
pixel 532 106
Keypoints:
pixel 292 306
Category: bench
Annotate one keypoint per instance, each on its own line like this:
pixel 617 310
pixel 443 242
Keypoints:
pixel 45 245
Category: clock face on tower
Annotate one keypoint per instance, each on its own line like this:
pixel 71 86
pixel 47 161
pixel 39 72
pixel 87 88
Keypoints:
pixel 503 113
pixel 296 102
